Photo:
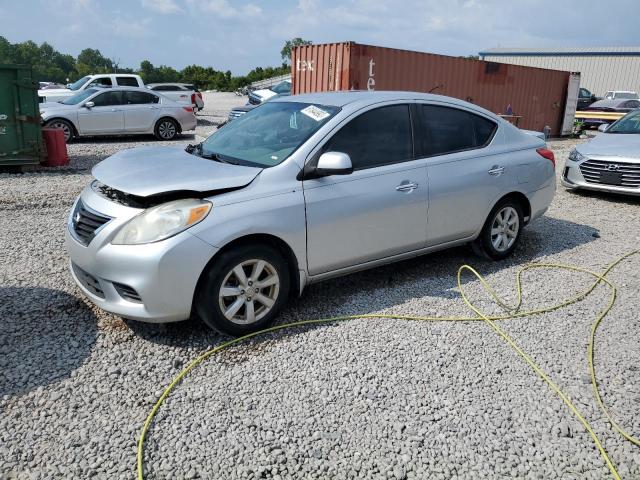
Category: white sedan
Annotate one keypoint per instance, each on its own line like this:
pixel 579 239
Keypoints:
pixel 117 111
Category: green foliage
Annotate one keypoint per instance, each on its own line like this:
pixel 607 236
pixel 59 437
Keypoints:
pixel 50 65
pixel 285 53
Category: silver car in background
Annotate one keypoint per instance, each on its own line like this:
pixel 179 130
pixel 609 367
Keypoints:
pixel 299 190
pixel 609 162
pixel 118 111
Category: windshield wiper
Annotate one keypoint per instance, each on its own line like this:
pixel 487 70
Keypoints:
pixel 197 150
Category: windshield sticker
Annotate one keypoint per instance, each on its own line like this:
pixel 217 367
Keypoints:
pixel 314 112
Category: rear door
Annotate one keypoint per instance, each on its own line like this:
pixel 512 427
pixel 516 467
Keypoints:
pixel 380 209
pixel 105 117
pixel 465 176
pixel 141 110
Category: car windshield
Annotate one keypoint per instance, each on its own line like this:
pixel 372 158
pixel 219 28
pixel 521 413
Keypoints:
pixel 79 97
pixel 78 83
pixel 267 135
pixel 630 123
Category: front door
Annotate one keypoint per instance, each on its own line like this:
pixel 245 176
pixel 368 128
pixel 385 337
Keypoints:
pixel 377 211
pixel 105 117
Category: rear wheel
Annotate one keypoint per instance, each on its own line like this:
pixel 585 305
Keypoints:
pixel 63 125
pixel 166 129
pixel 501 231
pixel 243 290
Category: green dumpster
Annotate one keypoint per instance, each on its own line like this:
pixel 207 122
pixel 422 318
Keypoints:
pixel 20 129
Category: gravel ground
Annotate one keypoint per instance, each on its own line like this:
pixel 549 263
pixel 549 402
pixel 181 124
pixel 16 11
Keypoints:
pixel 364 399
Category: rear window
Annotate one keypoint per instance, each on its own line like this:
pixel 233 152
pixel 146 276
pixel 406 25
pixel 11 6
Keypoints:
pixel 140 98
pixel 127 81
pixel 449 130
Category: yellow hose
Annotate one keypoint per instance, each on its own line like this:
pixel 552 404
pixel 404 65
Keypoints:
pixel 513 312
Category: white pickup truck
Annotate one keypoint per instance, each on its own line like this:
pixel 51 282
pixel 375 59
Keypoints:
pixel 105 80
pixel 108 80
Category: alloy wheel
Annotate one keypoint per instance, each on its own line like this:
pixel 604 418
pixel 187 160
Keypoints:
pixel 504 229
pixel 249 291
pixel 167 130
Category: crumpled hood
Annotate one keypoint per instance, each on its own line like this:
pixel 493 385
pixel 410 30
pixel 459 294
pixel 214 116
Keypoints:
pixel 612 144
pixel 148 171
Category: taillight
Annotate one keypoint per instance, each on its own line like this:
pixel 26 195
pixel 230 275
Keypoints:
pixel 193 98
pixel 188 109
pixel 548 154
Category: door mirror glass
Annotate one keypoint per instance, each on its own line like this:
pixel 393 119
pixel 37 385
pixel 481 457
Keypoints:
pixel 603 128
pixel 334 163
pixel 89 105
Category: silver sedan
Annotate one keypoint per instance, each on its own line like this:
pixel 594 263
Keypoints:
pixel 610 162
pixel 299 190
pixel 117 111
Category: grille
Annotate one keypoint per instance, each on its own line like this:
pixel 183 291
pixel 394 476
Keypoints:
pixel 85 223
pixel 128 293
pixel 591 170
pixel 88 281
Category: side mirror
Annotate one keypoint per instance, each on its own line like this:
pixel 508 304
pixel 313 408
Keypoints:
pixel 603 127
pixel 68 85
pixel 89 105
pixel 334 163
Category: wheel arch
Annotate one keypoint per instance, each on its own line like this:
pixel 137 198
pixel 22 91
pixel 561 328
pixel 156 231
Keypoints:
pixel 522 199
pixel 67 120
pixel 168 117
pixel 260 239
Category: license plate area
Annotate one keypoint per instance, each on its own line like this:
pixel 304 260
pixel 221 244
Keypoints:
pixel 611 178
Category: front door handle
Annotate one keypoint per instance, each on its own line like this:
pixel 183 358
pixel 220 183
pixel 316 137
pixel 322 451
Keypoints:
pixel 407 186
pixel 496 170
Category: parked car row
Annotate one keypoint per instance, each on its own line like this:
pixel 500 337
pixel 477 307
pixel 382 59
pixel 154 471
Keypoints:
pixel 118 110
pixel 179 92
pixel 586 99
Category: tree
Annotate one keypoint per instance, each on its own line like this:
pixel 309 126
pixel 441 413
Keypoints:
pixel 93 59
pixel 285 53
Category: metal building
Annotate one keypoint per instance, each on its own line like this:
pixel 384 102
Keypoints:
pixel 601 68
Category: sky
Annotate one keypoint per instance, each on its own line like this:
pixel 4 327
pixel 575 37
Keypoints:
pixel 239 35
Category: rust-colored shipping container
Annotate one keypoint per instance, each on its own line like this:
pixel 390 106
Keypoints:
pixel 537 96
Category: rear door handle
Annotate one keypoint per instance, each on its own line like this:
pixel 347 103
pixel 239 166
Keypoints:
pixel 407 186
pixel 496 170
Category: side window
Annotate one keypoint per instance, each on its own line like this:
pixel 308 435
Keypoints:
pixel 584 93
pixel 104 81
pixel 127 81
pixel 633 104
pixel 449 130
pixel 140 97
pixel 107 99
pixel 378 137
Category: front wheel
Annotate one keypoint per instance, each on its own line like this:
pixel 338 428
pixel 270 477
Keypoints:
pixel 166 129
pixel 501 231
pixel 243 290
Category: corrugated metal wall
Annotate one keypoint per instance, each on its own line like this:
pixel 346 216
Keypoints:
pixel 598 73
pixel 538 95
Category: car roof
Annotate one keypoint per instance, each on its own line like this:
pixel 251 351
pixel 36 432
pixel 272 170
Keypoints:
pixel 108 88
pixel 364 97
pixel 610 103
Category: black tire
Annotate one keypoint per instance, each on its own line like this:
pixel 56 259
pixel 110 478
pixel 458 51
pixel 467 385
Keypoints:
pixel 207 301
pixel 484 245
pixel 166 129
pixel 69 131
